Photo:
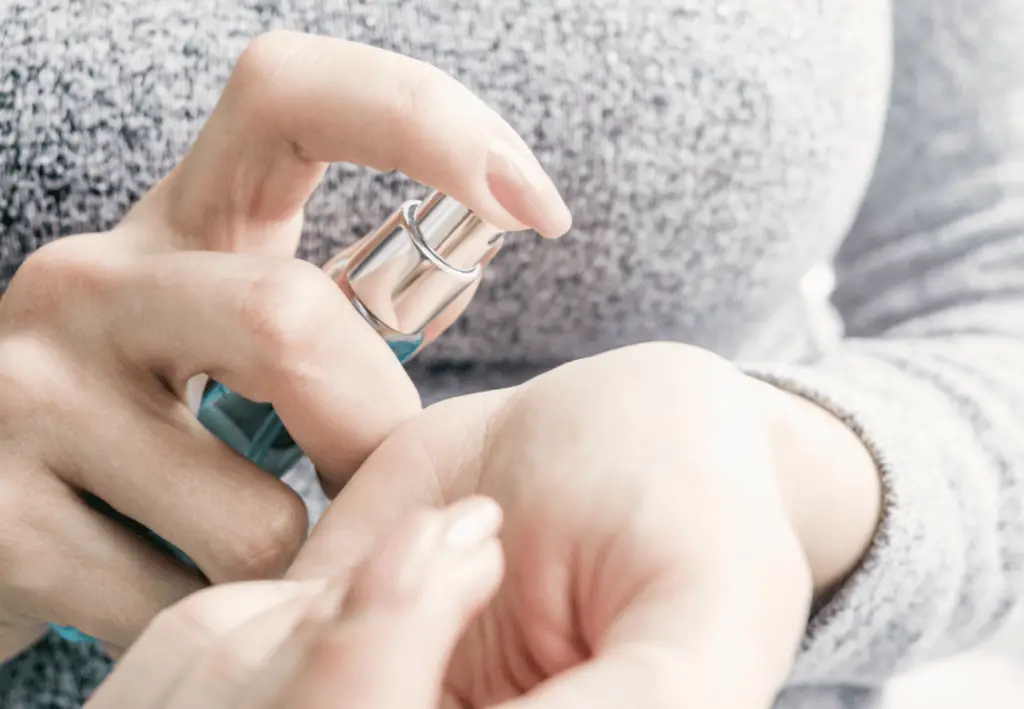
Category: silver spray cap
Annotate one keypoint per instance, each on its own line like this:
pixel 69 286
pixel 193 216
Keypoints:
pixel 407 271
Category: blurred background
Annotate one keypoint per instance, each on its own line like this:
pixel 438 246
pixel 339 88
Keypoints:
pixel 990 678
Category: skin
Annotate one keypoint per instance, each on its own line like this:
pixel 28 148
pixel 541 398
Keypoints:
pixel 100 334
pixel 278 645
pixel 665 518
pixel 665 514
pixel 642 566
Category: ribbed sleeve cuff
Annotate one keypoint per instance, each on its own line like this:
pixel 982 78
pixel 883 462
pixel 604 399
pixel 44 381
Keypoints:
pixel 903 594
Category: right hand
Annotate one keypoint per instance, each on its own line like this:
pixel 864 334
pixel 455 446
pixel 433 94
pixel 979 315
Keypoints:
pixel 100 333
pixel 382 641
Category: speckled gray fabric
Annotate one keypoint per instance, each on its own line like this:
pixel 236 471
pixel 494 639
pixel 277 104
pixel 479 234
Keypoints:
pixel 716 156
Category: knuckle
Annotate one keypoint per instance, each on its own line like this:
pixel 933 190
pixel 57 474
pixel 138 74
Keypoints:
pixel 62 274
pixel 257 71
pixel 285 310
pixel 266 551
pixel 32 375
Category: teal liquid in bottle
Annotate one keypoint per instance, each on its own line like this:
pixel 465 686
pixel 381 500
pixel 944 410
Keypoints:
pixel 255 430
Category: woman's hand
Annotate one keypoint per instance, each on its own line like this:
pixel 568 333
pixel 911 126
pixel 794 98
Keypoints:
pixel 100 333
pixel 381 642
pixel 655 517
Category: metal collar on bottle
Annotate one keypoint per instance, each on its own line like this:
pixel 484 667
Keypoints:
pixel 407 271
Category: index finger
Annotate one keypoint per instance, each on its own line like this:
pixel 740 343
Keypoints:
pixel 155 665
pixel 297 101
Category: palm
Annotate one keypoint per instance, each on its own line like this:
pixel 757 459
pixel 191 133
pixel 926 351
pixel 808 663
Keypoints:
pixel 640 562
pixel 532 629
pixel 561 584
pixel 571 546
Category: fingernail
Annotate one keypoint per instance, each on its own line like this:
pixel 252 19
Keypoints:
pixel 471 523
pixel 523 188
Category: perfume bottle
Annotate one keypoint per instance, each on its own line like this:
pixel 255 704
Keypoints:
pixel 401 277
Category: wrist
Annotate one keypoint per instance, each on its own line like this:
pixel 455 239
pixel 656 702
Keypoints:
pixel 829 482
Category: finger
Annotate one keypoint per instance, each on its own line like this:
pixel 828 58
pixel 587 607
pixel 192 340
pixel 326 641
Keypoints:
pixel 147 676
pixel 403 615
pixel 271 330
pixel 156 465
pixel 296 101
pixel 237 659
pixel 120 582
pixel 426 463
pixel 14 638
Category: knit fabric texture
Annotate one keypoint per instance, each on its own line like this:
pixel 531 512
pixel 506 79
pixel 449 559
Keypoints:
pixel 726 162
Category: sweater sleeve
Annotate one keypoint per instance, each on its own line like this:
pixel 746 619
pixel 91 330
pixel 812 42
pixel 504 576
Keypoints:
pixel 930 286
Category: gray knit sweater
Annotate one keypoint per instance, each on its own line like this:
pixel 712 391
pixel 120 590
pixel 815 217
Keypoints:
pixel 719 157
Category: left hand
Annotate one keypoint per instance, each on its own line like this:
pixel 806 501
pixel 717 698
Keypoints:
pixel 656 515
pixel 380 642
